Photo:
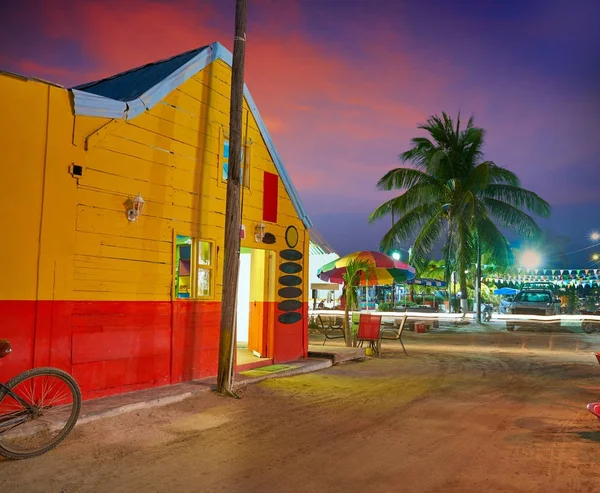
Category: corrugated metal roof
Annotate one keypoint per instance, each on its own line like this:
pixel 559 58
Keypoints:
pixel 128 94
pixel 133 83
pixel 318 244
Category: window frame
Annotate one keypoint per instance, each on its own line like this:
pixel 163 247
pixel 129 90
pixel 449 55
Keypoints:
pixel 245 160
pixel 194 267
pixel 210 267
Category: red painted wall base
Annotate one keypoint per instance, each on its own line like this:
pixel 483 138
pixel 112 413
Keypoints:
pixel 115 347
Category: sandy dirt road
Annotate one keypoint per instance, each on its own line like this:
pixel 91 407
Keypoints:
pixel 493 412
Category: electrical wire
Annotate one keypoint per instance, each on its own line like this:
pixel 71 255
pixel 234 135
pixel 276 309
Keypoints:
pixel 575 251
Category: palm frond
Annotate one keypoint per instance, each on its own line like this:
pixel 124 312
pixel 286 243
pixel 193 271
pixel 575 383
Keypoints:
pixel 493 243
pixel 512 218
pixel 405 226
pixel 428 236
pixel 421 194
pixel 518 197
pixel 463 247
pixel 400 178
pixel 354 270
pixel 479 178
pixel 498 174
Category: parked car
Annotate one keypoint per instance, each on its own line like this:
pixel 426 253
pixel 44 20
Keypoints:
pixel 590 326
pixel 539 302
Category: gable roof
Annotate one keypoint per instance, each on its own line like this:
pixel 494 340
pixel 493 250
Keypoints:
pixel 318 244
pixel 129 94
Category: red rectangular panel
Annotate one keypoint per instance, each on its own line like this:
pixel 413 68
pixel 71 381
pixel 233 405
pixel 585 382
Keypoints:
pixel 99 346
pixel 270 197
pixel 151 370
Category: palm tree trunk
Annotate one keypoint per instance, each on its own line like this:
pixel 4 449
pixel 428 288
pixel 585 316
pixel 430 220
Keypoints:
pixel 348 336
pixel 478 282
pixel 347 326
pixel 462 279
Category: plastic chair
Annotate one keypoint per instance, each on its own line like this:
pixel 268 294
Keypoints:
pixel 330 327
pixel 369 330
pixel 394 332
pixel 594 408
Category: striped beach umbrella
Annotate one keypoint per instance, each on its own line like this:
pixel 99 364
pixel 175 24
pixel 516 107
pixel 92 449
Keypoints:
pixel 386 269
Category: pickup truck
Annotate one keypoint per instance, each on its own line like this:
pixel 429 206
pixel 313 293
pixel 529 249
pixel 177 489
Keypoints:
pixel 539 302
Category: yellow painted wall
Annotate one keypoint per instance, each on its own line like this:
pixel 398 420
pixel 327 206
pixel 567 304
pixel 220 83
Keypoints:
pixel 170 154
pixel 37 193
pixel 22 154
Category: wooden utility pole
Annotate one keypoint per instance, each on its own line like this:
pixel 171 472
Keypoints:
pixel 231 264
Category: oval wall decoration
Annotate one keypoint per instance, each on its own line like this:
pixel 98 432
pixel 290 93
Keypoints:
pixel 291 236
pixel 290 292
pixel 290 267
pixel 269 238
pixel 290 305
pixel 290 317
pixel 290 280
pixel 290 254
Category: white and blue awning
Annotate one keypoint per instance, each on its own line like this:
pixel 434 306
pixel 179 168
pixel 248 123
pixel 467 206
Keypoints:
pixel 427 282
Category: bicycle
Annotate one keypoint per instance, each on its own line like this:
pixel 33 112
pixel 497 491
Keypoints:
pixel 38 409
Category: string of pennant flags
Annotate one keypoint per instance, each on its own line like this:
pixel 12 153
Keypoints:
pixel 561 277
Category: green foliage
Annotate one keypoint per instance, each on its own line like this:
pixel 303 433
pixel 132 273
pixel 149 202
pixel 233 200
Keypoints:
pixel 450 192
pixel 355 269
pixel 573 303
pixel 385 307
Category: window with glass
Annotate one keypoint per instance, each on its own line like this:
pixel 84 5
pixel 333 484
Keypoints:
pixel 244 169
pixel 194 264
pixel 204 268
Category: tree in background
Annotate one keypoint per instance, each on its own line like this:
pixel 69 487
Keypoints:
pixel 356 269
pixel 451 193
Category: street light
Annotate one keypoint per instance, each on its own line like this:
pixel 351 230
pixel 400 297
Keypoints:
pixel 596 256
pixel 594 236
pixel 530 259
pixel 396 255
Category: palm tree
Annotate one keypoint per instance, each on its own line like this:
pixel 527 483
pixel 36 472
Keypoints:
pixel 355 270
pixel 432 269
pixel 451 192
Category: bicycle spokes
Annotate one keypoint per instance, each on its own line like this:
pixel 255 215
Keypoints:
pixel 35 412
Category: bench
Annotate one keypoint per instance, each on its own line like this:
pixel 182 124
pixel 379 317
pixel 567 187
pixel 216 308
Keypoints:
pixel 331 327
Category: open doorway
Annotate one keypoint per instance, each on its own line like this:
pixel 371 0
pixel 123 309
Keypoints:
pixel 255 307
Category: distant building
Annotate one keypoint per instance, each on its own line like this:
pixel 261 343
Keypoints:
pixel 321 253
pixel 113 199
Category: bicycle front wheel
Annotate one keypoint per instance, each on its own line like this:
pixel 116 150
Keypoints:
pixel 40 410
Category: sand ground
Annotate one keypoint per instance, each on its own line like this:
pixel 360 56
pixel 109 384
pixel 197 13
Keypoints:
pixel 464 411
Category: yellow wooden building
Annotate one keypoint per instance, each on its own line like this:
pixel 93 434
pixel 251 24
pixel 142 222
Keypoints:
pixel 112 200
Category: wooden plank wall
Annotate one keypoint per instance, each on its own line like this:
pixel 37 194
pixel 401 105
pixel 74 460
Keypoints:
pixel 172 155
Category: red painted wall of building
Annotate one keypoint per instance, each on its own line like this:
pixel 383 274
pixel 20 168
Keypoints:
pixel 115 347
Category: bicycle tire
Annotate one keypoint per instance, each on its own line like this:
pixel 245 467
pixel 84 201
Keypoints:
pixel 76 394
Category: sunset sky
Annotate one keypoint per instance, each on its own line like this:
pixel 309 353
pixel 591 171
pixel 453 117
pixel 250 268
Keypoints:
pixel 342 85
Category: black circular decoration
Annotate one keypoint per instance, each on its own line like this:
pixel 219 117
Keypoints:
pixel 291 236
pixel 290 305
pixel 290 280
pixel 269 238
pixel 290 292
pixel 290 267
pixel 290 255
pixel 290 317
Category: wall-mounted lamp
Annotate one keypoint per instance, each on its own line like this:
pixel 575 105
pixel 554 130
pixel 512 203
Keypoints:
pixel 259 232
pixel 136 209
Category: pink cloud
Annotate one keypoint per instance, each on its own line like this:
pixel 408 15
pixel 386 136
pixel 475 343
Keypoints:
pixel 339 121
